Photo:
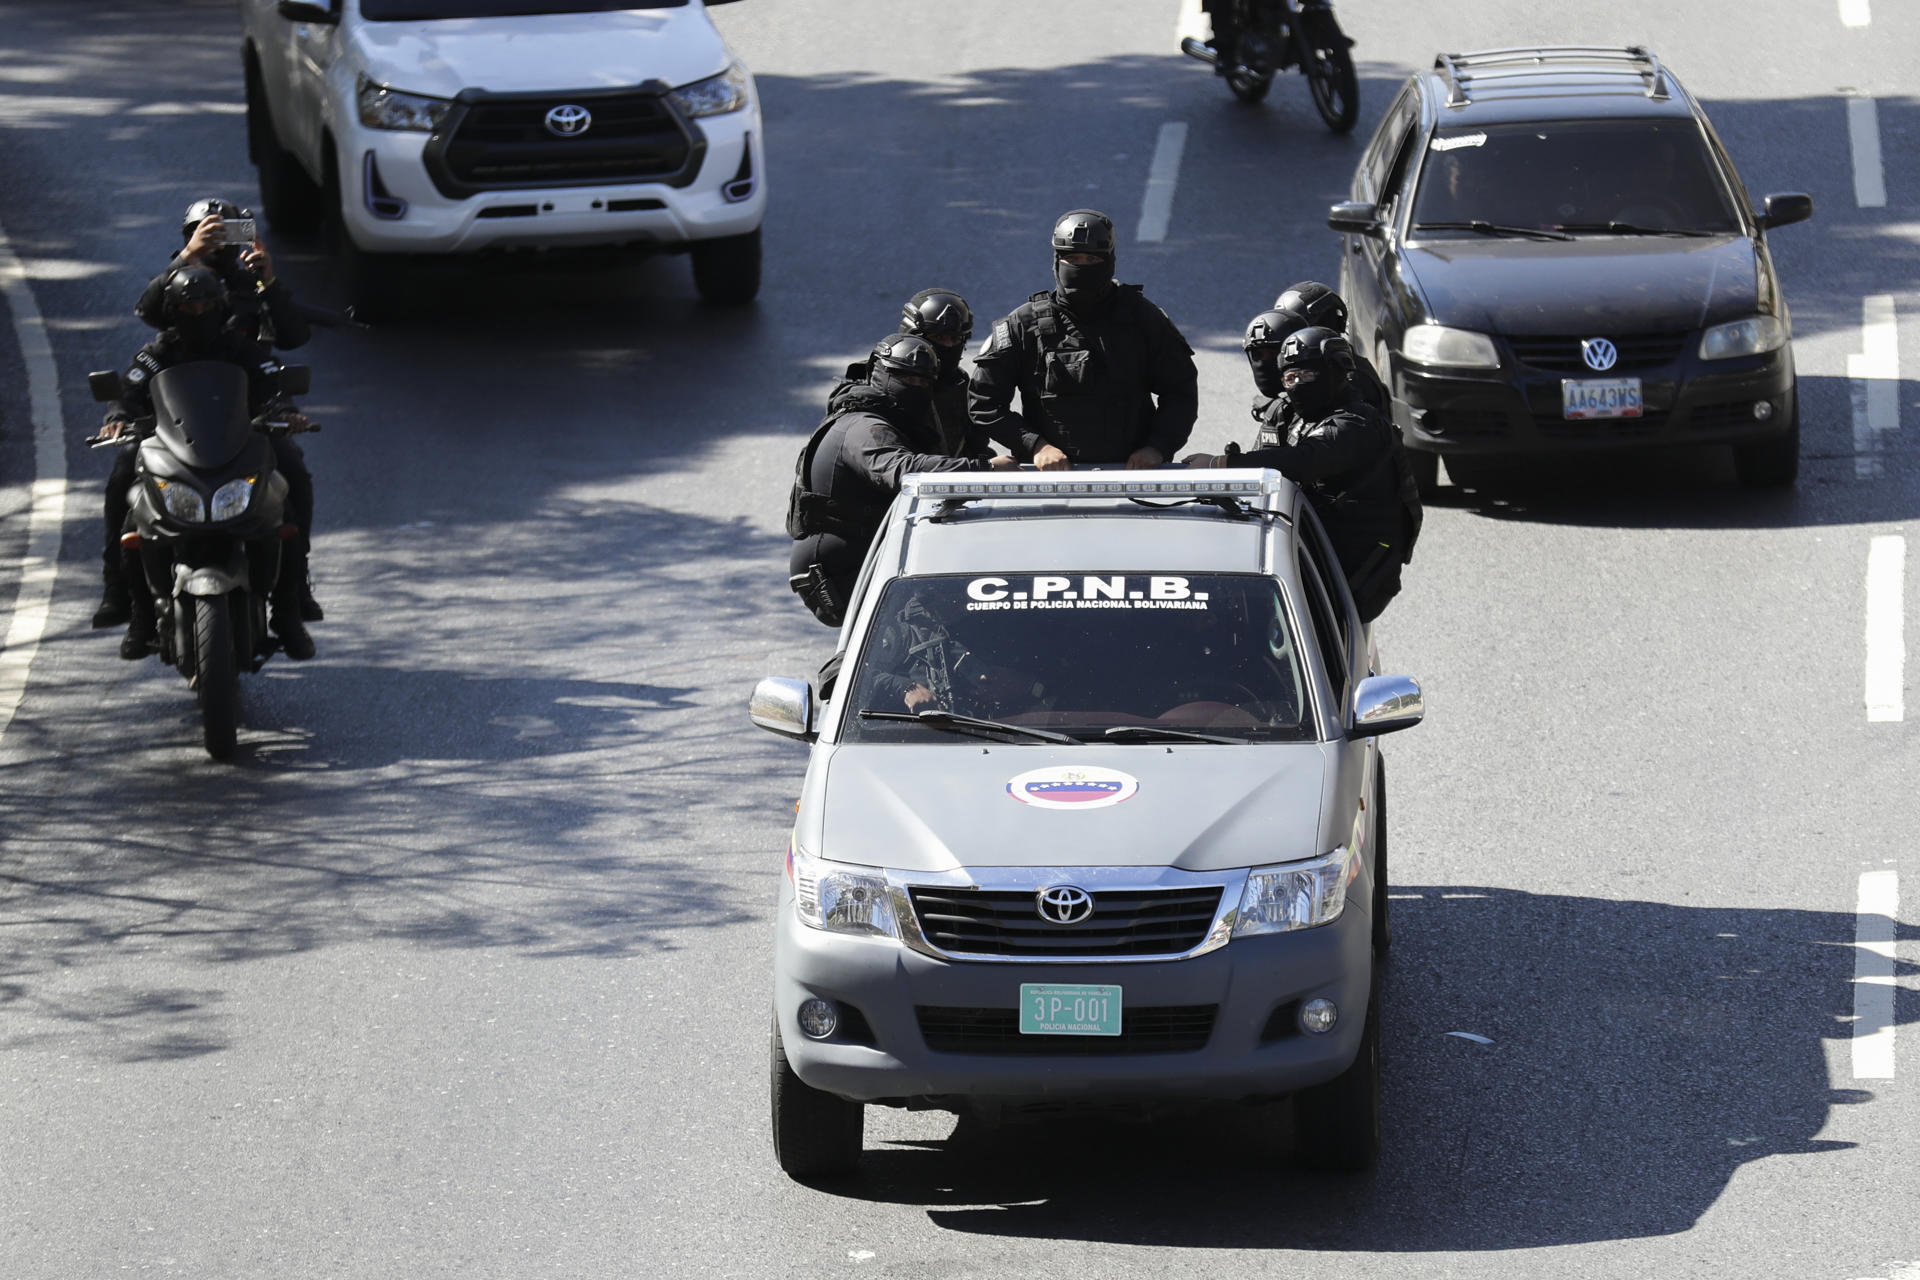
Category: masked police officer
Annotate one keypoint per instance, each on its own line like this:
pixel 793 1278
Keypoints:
pixel 1103 375
pixel 1313 303
pixel 849 471
pixel 944 319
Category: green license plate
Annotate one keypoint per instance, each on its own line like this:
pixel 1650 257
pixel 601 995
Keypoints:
pixel 1069 1011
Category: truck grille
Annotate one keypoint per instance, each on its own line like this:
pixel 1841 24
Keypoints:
pixel 504 143
pixel 1166 1029
pixel 1561 354
pixel 1124 923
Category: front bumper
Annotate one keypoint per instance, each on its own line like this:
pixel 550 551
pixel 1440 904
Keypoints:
pixel 1254 1049
pixel 1517 410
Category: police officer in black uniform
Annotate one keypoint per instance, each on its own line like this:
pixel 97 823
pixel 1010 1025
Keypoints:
pixel 1103 374
pixel 1313 303
pixel 1348 458
pixel 849 471
pixel 199 325
pixel 944 319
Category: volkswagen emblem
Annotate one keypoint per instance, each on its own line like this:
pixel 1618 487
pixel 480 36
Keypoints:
pixel 1063 904
pixel 1599 354
pixel 568 120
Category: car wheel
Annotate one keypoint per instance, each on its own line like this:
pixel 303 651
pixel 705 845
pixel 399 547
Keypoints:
pixel 1426 471
pixel 1336 1125
pixel 727 271
pixel 815 1134
pixel 287 194
pixel 1773 463
pixel 373 280
pixel 1382 928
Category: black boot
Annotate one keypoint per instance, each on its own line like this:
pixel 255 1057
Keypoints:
pixel 292 631
pixel 141 632
pixel 310 610
pixel 114 610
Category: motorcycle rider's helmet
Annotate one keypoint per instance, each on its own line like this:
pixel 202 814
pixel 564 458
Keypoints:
pixel 194 304
pixel 1315 304
pixel 1315 364
pixel 200 210
pixel 1265 332
pixel 1083 231
pixel 934 314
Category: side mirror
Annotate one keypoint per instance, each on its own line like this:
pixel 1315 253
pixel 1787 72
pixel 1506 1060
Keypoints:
pixel 307 11
pixel 1783 210
pixel 784 707
pixel 295 379
pixel 1355 217
pixel 105 385
pixel 1385 704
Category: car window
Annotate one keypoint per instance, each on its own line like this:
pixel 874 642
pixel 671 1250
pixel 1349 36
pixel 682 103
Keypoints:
pixel 1574 173
pixel 1385 145
pixel 1319 549
pixel 1333 649
pixel 1080 653
pixel 431 10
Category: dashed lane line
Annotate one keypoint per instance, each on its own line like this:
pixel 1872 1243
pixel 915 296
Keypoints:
pixel 1873 946
pixel 1886 628
pixel 1863 132
pixel 46 516
pixel 1157 209
pixel 1873 379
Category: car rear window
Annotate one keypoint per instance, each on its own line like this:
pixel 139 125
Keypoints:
pixel 431 10
pixel 1655 174
pixel 1080 653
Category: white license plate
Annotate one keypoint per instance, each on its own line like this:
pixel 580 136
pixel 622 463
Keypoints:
pixel 1600 397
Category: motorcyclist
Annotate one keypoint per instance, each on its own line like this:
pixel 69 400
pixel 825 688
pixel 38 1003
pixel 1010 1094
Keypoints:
pixel 1102 374
pixel 200 325
pixel 944 319
pixel 850 469
pixel 1348 459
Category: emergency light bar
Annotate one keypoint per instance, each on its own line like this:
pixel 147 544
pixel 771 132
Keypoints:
pixel 1196 484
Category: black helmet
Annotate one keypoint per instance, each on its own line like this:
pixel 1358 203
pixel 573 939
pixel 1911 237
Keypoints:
pixel 937 313
pixel 905 353
pixel 192 291
pixel 200 210
pixel 1317 347
pixel 1270 329
pixel 1315 304
pixel 1083 231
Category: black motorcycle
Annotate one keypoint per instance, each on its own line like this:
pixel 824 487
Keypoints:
pixel 1254 39
pixel 207 520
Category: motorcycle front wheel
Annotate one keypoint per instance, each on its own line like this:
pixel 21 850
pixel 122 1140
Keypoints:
pixel 216 677
pixel 1331 80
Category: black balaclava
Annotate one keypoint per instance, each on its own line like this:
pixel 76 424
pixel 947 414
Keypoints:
pixel 949 358
pixel 916 401
pixel 1083 285
pixel 201 333
pixel 1317 398
pixel 1266 369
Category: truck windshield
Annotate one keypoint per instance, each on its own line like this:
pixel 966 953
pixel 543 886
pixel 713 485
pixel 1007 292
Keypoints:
pixel 1082 654
pixel 1636 176
pixel 430 10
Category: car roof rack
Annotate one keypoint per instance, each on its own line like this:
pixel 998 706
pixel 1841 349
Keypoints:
pixel 1462 70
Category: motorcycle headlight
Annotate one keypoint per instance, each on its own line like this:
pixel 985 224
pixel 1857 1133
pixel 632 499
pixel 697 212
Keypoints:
pixel 182 501
pixel 1750 337
pixel 231 498
pixel 1436 344
pixel 384 108
pixel 841 898
pixel 1298 895
pixel 714 96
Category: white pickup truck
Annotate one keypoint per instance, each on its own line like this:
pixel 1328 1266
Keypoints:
pixel 454 126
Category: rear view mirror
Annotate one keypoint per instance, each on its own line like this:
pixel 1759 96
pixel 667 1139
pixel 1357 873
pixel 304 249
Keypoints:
pixel 1355 217
pixel 1782 210
pixel 1385 704
pixel 783 706
pixel 295 379
pixel 105 385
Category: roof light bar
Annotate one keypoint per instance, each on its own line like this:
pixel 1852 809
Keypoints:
pixel 1245 484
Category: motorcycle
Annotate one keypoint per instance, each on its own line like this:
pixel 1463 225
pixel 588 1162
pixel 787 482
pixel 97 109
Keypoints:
pixel 208 516
pixel 1254 39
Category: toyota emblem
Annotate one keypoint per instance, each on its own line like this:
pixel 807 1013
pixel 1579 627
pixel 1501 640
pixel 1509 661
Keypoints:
pixel 568 120
pixel 1599 354
pixel 1063 904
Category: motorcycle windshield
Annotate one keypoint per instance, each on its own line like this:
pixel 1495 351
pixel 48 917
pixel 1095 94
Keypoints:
pixel 200 412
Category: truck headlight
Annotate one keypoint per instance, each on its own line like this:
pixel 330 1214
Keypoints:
pixel 182 501
pixel 714 96
pixel 1750 337
pixel 1436 344
pixel 841 898
pixel 231 498
pixel 1296 895
pixel 384 108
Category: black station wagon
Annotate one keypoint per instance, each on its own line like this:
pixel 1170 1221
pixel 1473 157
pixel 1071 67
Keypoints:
pixel 1548 249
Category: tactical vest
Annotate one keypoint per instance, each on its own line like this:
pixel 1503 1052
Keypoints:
pixel 1083 406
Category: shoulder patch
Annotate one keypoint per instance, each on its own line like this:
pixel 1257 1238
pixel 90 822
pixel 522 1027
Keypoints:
pixel 136 374
pixel 1002 336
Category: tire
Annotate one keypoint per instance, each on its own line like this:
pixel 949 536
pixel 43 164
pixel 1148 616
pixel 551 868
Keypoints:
pixel 1331 81
pixel 1426 472
pixel 1770 464
pixel 727 271
pixel 815 1134
pixel 1336 1125
pixel 291 201
pixel 1382 926
pixel 374 285
pixel 216 679
pixel 1250 88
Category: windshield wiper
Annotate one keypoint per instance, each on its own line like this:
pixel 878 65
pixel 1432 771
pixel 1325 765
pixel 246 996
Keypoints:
pixel 1493 229
pixel 1152 733
pixel 1631 229
pixel 948 721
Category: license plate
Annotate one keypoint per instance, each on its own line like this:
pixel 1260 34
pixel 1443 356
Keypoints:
pixel 1600 397
pixel 1069 1011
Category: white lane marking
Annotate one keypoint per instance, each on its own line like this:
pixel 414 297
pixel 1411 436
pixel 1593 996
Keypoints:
pixel 1873 376
pixel 46 518
pixel 1157 209
pixel 1886 628
pixel 1855 13
pixel 1863 131
pixel 1192 23
pixel 1873 930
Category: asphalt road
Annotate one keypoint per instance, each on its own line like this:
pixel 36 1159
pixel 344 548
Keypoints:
pixel 461 968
